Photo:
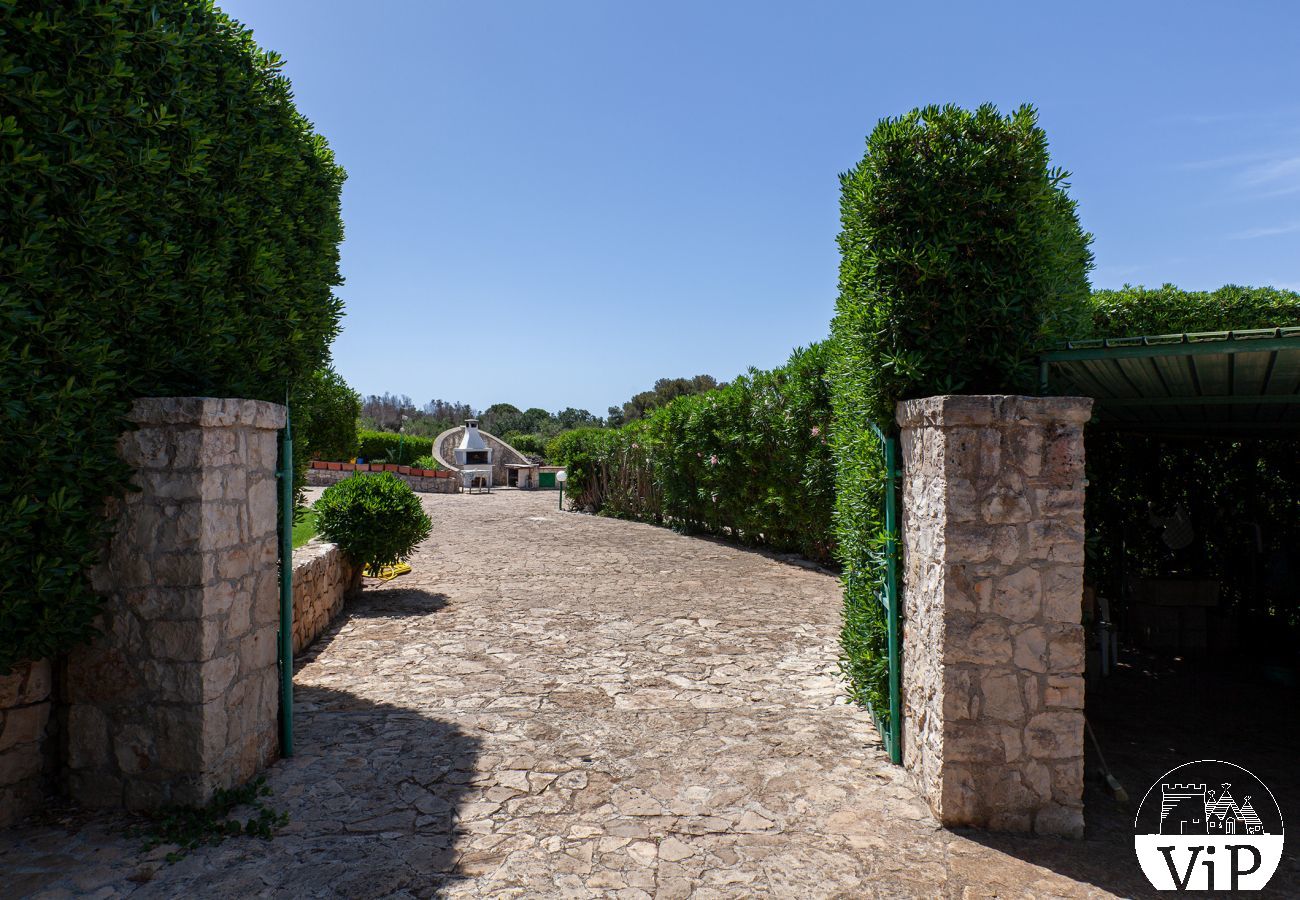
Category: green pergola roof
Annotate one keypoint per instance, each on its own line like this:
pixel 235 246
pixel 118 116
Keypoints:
pixel 1225 382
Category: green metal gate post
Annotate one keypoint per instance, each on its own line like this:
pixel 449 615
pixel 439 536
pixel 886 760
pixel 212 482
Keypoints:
pixel 891 590
pixel 285 475
pixel 891 731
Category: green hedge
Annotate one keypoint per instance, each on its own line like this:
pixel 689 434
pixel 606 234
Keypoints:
pixel 961 259
pixel 749 461
pixel 1133 311
pixel 390 447
pixel 171 227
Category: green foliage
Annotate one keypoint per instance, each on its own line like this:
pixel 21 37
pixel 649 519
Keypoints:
pixel 171 228
pixel 961 258
pixel 325 412
pixel 426 462
pixel 749 461
pixel 1133 311
pixel 189 828
pixel 665 391
pixel 387 447
pixel 375 518
pixel 534 444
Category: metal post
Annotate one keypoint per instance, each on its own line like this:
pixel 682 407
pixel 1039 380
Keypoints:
pixel 891 585
pixel 285 474
pixel 561 496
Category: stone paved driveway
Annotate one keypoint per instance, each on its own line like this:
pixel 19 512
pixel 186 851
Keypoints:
pixel 555 704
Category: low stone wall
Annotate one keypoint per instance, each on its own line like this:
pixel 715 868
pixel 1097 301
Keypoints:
pixel 322 579
pixel 993 644
pixel 426 484
pixel 24 715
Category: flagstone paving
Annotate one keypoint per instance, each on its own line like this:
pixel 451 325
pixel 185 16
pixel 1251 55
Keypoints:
pixel 555 704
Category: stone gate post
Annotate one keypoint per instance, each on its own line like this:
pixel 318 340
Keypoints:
pixel 993 645
pixel 178 696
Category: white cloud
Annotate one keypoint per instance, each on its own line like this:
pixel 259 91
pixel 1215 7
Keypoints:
pixel 1276 176
pixel 1265 231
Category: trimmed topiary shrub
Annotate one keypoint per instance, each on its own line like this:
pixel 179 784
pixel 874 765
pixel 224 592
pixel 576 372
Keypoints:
pixel 962 258
pixel 375 518
pixel 171 227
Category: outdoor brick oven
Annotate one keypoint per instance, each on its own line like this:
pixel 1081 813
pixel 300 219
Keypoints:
pixel 474 457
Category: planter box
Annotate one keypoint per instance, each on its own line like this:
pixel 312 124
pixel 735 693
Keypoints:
pixel 363 467
pixel 403 470
pixel 349 467
pixel 333 467
pixel 390 467
pixel 317 464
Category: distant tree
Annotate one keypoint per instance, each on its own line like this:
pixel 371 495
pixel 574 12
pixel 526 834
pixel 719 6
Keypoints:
pixel 570 418
pixel 665 391
pixel 325 412
pixel 500 418
pixel 384 412
pixel 615 417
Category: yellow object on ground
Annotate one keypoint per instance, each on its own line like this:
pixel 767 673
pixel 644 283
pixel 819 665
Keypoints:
pixel 387 573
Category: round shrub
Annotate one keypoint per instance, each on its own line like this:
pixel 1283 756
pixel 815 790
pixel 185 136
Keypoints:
pixel 376 519
pixel 171 227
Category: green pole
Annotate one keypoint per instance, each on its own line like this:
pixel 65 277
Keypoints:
pixel 286 588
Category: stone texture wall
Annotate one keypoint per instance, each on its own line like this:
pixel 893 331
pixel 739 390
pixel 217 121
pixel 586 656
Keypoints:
pixel 179 696
pixel 993 643
pixel 418 483
pixel 322 579
pixel 24 753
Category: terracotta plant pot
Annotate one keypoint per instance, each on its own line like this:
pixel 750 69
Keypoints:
pixel 317 464
pixel 333 467
pixel 390 467
pixel 403 470
pixel 363 467
pixel 349 467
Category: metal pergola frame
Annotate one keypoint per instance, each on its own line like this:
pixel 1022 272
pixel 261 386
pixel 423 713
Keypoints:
pixel 1234 382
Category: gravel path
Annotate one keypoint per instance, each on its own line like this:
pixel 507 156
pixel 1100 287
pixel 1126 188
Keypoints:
pixel 555 704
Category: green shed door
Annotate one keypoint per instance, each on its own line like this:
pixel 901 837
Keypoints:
pixel 546 479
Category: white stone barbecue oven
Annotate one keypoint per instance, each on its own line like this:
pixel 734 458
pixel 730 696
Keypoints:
pixel 474 457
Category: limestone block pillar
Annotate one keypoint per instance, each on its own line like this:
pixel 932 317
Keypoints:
pixel 993 645
pixel 178 696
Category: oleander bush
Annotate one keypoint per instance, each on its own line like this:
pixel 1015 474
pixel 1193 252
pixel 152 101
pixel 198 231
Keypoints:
pixel 375 518
pixel 749 461
pixel 1134 311
pixel 171 227
pixel 961 259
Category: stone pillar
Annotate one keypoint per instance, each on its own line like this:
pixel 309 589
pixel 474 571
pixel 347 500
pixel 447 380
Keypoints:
pixel 993 644
pixel 178 696
pixel 24 713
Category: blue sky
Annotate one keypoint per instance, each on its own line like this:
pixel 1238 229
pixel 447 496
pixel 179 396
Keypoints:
pixel 554 204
